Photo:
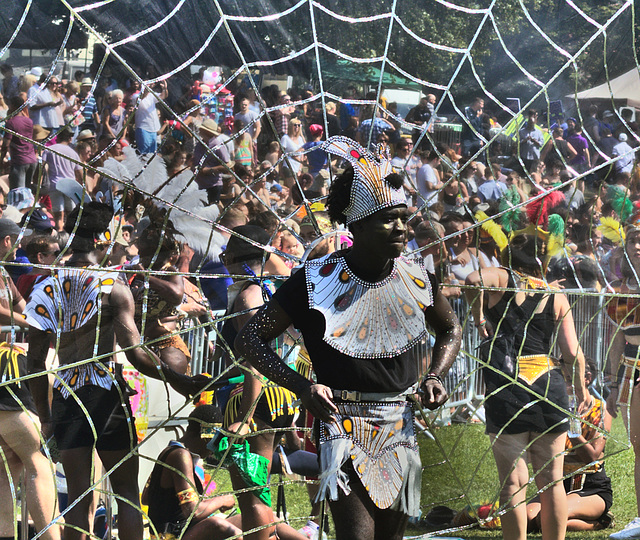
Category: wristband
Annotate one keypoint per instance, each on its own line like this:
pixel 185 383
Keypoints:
pixel 481 322
pixel 433 377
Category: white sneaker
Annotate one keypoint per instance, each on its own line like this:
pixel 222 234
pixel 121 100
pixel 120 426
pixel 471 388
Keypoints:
pixel 632 530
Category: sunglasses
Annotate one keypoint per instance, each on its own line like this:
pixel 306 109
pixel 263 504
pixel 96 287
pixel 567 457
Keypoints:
pixel 56 252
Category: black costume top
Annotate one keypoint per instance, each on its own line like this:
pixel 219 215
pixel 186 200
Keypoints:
pixel 338 369
pixel 164 506
pixel 528 403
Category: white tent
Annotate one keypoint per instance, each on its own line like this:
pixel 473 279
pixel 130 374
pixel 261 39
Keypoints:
pixel 626 86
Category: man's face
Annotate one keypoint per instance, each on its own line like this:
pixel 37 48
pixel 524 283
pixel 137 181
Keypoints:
pixel 384 232
pixel 404 149
pixel 244 105
pixel 8 247
pixel 478 105
pixel 533 118
pixel 85 153
pixel 307 233
pixel 49 256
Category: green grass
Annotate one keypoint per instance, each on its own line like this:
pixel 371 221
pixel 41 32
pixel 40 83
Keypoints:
pixel 459 469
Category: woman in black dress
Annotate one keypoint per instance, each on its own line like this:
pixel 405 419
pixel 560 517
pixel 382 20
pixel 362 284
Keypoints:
pixel 526 398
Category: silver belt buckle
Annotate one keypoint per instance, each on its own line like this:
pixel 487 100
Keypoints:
pixel 346 395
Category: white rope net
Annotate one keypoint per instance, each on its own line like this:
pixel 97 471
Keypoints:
pixel 514 56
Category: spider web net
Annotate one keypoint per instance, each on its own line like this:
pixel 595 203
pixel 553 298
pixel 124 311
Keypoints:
pixel 538 52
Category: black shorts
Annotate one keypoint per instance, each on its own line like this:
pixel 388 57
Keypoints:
pixel 110 413
pixel 595 484
pixel 513 408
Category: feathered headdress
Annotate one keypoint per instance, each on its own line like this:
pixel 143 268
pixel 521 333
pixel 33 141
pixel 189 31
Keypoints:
pixel 493 230
pixel 556 235
pixel 553 237
pixel 539 209
pixel 369 192
pixel 620 201
pixel 511 216
pixel 611 230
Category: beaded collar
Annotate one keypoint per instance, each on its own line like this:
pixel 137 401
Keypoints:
pixel 369 320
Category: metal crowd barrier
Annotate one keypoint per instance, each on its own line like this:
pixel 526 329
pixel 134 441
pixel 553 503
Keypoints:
pixel 593 327
pixel 448 134
pixel 464 381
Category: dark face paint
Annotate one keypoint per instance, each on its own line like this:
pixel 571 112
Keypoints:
pixel 383 234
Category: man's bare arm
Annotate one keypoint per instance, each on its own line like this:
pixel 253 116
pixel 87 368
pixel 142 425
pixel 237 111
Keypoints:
pixel 448 332
pixel 145 361
pixel 37 363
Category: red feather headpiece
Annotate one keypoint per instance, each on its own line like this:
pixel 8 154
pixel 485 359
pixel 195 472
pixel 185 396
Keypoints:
pixel 538 210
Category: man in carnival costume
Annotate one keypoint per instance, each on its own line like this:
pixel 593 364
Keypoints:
pixel 87 308
pixel 361 311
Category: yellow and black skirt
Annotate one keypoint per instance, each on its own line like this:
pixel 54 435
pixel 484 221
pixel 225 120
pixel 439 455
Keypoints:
pixel 14 392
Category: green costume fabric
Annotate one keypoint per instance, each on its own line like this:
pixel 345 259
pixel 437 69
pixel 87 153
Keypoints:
pixel 253 468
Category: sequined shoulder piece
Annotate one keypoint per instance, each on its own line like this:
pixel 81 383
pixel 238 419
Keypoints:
pixel 369 320
pixel 68 299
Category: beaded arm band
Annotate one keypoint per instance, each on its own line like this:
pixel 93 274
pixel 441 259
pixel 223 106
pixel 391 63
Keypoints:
pixel 433 377
pixel 187 496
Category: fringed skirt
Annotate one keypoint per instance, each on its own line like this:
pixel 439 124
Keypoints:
pixel 380 441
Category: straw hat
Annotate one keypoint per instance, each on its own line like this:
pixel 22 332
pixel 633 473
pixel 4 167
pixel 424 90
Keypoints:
pixel 84 135
pixel 39 133
pixel 210 126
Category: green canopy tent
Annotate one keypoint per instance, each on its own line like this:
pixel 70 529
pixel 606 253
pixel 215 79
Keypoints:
pixel 341 73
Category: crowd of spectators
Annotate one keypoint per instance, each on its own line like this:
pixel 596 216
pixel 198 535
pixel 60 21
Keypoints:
pixel 259 168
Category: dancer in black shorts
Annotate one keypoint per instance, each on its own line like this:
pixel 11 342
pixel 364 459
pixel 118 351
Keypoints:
pixel 526 399
pixel 92 308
